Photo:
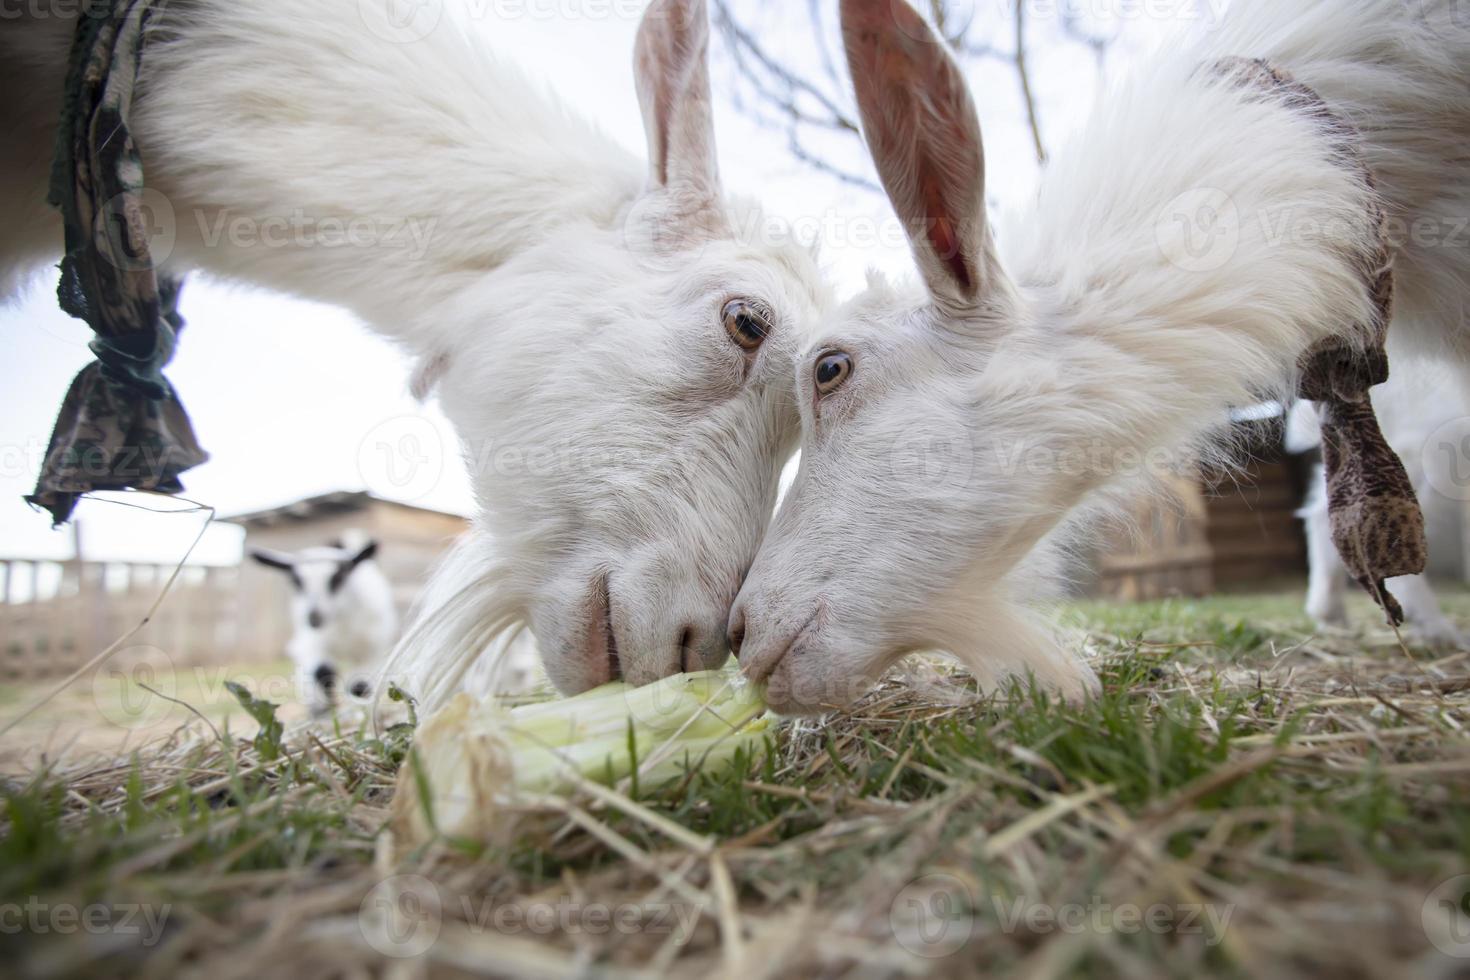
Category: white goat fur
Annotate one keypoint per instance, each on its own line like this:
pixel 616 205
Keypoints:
pixel 567 302
pixel 1088 342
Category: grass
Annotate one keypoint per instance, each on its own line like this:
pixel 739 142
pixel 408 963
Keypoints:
pixel 1243 799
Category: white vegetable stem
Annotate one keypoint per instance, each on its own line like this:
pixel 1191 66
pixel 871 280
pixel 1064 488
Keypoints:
pixel 471 760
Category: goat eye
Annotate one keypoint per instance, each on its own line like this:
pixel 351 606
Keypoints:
pixel 832 371
pixel 747 324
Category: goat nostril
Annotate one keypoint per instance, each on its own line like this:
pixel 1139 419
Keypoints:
pixel 360 689
pixel 737 634
pixel 326 676
pixel 686 640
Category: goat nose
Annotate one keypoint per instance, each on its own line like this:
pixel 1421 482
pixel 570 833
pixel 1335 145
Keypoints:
pixel 326 676
pixel 360 689
pixel 315 619
pixel 736 635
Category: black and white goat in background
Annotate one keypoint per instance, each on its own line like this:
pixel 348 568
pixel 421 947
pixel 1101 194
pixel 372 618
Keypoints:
pixel 343 622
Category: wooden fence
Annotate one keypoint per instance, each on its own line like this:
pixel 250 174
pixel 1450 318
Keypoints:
pixel 57 615
pixel 1162 551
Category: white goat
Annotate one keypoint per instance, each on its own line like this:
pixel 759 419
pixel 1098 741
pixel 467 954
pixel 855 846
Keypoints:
pixel 613 341
pixel 1422 412
pixel 343 621
pixel 1182 256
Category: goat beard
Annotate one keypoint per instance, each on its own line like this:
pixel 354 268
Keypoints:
pixel 466 622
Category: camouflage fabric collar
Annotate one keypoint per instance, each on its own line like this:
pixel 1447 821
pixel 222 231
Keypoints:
pixel 121 425
pixel 1376 520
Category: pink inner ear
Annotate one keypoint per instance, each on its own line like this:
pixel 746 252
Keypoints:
pixel 945 242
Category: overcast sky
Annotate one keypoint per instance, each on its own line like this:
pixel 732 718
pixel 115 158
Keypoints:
pixel 293 399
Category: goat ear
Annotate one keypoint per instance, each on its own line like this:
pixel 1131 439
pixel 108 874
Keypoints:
pixel 273 559
pixel 426 376
pixel 671 65
pixel 924 135
pixel 346 568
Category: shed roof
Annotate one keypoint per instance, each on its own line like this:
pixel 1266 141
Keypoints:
pixel 324 506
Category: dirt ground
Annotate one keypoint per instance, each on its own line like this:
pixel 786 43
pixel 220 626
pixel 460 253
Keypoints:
pixel 109 714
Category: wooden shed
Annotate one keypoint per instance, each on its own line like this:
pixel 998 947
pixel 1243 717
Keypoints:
pixel 1222 531
pixel 411 542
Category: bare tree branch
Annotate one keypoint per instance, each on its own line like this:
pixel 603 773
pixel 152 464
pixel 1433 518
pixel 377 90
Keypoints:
pixel 820 165
pixel 741 40
pixel 1025 77
pixel 816 98
pixel 824 49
